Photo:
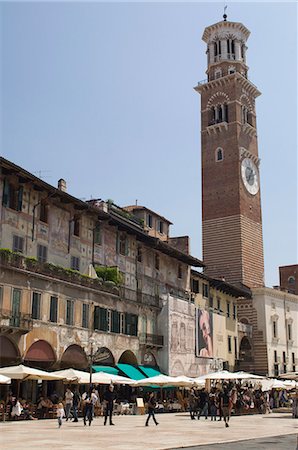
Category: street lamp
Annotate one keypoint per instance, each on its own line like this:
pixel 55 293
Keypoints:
pixel 89 345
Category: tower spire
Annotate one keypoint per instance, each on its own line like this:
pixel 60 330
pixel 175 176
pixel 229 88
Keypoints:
pixel 225 15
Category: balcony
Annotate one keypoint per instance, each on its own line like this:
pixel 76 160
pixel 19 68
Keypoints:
pixel 151 340
pixel 11 323
pixel 140 297
pixel 245 328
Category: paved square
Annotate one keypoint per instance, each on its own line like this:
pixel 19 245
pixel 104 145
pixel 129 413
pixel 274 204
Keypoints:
pixel 129 432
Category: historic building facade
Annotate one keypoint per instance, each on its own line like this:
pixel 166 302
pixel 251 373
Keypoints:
pixel 52 306
pixel 231 202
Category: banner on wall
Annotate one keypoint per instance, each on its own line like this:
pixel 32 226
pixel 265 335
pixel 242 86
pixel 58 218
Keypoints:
pixel 204 333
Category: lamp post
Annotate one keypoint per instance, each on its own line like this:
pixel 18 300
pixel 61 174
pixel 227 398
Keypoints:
pixel 90 344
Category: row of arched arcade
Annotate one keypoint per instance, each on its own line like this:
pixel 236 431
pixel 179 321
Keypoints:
pixel 41 354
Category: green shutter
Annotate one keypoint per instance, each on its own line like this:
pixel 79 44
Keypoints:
pixel 115 322
pixel 103 319
pixel 96 318
pixel 127 323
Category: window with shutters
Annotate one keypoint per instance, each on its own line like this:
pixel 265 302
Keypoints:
pixel 97 235
pixel 36 299
pixel 230 344
pixel 149 220
pixel 18 244
pixel 140 253
pixel 75 263
pixel 43 212
pixel 42 253
pixel 76 227
pixel 131 324
pixel 85 315
pixel 53 309
pixel 228 309
pixel 234 311
pixel 115 322
pixel 122 244
pixel 12 197
pixel 205 290
pixel 101 319
pixel 195 286
pixel 69 312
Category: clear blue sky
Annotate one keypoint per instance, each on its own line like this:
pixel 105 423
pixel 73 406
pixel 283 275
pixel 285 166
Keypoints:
pixel 101 94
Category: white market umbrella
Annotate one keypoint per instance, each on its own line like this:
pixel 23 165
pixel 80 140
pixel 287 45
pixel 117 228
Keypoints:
pixel 248 376
pixel 73 375
pixel 4 379
pixel 185 381
pixel 222 375
pixel 27 373
pixel 289 376
pixel 273 383
pixel 160 380
pixel 108 378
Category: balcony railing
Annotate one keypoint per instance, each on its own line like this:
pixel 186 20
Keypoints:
pixel 140 297
pixel 20 321
pixel 215 121
pixel 18 261
pixel 153 340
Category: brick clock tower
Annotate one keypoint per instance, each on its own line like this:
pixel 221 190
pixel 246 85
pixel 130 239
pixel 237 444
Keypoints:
pixel 231 203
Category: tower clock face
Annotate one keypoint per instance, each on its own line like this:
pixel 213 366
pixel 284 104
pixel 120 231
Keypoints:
pixel 250 177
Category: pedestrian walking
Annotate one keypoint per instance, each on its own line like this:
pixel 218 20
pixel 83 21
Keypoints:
pixel 87 408
pixel 76 404
pixel 192 404
pixel 225 405
pixel 212 403
pixel 109 397
pixel 203 404
pixel 151 409
pixel 68 402
pixel 60 414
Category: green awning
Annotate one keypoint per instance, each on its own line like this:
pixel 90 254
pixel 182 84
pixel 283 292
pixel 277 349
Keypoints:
pixel 150 371
pixel 131 371
pixel 106 369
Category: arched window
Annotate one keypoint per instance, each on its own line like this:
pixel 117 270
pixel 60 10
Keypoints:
pixel 219 155
pixel 217 50
pixel 291 280
pixel 231 48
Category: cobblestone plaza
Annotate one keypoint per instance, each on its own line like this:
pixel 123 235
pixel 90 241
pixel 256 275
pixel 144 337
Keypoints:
pixel 129 433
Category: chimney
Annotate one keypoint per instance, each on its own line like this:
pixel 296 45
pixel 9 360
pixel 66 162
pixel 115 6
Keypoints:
pixel 62 185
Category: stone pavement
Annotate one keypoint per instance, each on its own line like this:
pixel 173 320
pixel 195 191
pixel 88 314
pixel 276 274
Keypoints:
pixel 286 442
pixel 129 433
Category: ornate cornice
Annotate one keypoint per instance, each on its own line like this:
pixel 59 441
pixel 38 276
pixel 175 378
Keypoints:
pixel 249 87
pixel 275 293
pixel 243 153
pixel 217 127
pixel 220 26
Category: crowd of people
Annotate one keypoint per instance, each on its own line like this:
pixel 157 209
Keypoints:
pixel 219 403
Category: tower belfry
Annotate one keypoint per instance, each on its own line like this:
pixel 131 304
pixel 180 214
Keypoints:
pixel 231 203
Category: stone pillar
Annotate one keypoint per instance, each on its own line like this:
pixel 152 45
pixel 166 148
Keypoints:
pixel 237 51
pixel 211 52
pixel 224 49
